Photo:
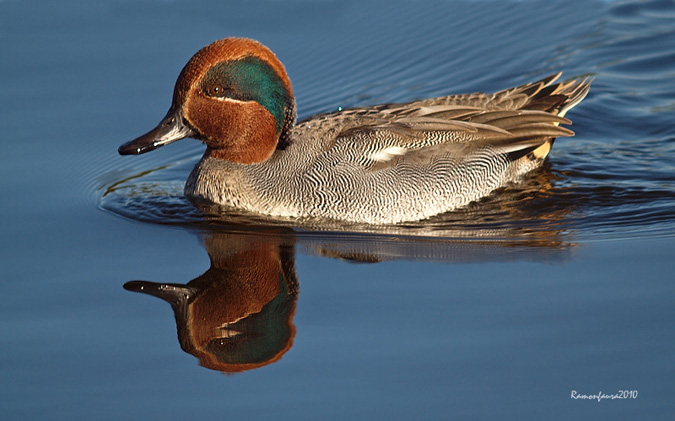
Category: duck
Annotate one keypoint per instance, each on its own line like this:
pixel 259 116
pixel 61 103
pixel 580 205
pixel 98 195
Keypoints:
pixel 382 164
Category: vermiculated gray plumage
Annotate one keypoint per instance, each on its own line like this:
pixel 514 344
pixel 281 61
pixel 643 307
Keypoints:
pixel 398 162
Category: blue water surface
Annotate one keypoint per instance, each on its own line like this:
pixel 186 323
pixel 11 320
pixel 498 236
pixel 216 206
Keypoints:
pixel 560 286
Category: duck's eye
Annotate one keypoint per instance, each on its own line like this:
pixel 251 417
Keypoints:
pixel 216 90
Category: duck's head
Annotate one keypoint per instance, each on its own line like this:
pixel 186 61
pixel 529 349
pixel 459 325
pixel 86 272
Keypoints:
pixel 235 96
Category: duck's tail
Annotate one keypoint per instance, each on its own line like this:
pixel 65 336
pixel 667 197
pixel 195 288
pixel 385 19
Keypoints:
pixel 555 98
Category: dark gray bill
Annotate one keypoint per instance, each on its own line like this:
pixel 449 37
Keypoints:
pixel 170 129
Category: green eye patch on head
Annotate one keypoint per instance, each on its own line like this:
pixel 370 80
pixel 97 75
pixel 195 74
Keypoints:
pixel 248 79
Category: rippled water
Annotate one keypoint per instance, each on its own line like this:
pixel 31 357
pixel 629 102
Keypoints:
pixel 562 282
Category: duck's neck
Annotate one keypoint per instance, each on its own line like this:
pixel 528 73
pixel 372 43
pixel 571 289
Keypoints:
pixel 287 126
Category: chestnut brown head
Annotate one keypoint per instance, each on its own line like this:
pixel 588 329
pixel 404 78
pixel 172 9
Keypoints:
pixel 235 96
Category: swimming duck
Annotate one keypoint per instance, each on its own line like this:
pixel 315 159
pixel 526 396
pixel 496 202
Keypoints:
pixel 383 164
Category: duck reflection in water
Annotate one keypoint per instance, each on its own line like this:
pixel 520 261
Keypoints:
pixel 238 315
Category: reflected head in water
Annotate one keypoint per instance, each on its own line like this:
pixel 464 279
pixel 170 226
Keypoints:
pixel 238 314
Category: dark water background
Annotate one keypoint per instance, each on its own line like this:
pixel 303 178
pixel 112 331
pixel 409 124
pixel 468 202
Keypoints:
pixel 496 311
